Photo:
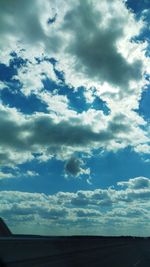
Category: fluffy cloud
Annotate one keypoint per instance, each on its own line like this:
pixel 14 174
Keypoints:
pixel 100 207
pixel 4 175
pixel 97 51
pixel 98 197
pixel 32 74
pixel 136 183
pixel 143 149
pixel 74 167
pixel 93 46
pixel 15 173
pixel 93 49
pixel 61 136
pixel 21 23
pixel 93 41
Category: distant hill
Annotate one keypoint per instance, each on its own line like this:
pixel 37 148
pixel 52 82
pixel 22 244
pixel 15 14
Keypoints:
pixel 4 230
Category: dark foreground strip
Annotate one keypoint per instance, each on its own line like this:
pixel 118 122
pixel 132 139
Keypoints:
pixel 49 260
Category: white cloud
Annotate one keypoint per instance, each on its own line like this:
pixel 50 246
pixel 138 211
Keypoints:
pixel 143 149
pixel 21 23
pixel 94 51
pixel 61 135
pixel 2 85
pixel 136 183
pixel 100 210
pixel 4 175
pixel 32 74
pixel 15 173
pixel 58 104
pixel 101 55
pixel 31 173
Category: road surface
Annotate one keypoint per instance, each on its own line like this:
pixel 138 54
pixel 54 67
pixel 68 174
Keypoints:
pixel 74 252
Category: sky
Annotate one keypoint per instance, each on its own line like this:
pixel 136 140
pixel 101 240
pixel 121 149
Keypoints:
pixel 75 117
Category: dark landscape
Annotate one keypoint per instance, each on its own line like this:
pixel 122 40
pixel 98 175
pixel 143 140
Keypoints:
pixel 26 251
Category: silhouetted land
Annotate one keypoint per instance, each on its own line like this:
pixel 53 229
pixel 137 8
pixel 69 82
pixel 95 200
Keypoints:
pixel 74 251
pixel 26 251
pixel 4 230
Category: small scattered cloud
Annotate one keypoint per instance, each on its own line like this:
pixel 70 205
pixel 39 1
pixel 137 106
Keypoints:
pixel 4 175
pixel 143 149
pixel 136 183
pixel 31 173
pixel 16 173
pixel 75 167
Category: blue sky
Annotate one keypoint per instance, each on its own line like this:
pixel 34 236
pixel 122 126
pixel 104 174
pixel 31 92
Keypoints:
pixel 74 117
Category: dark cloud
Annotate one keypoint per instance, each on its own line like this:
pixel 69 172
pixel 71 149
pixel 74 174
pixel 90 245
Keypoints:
pixel 73 166
pixel 83 38
pixel 94 46
pixel 13 22
pixel 45 131
pixel 25 135
pixel 91 42
pixel 85 43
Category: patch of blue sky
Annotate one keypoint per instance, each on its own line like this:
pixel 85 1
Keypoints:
pixel 138 6
pixel 8 170
pixel 99 104
pixel 16 61
pixel 11 94
pixel 14 98
pixel 110 168
pixel 60 74
pixel 141 8
pixel 144 105
pixel 7 72
pixel 53 61
pixel 52 20
pixel 106 171
pixel 14 86
pixel 26 105
pixel 50 179
pixel 51 85
pixel 144 36
pixel 76 98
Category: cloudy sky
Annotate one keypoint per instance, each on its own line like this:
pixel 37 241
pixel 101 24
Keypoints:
pixel 75 116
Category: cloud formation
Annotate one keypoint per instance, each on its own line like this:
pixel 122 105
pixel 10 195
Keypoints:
pixel 92 45
pixel 136 183
pixel 74 167
pixel 21 136
pixel 93 49
pixel 100 209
